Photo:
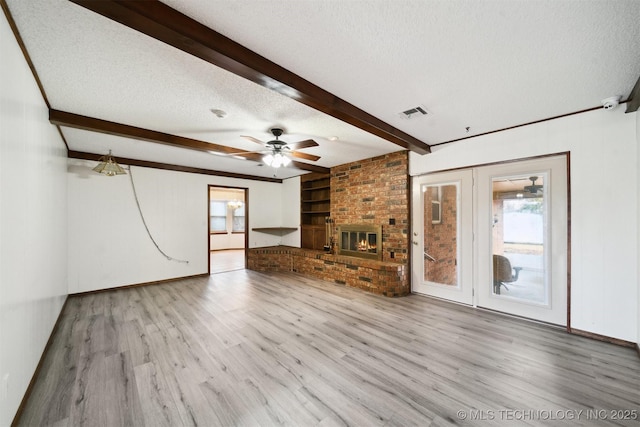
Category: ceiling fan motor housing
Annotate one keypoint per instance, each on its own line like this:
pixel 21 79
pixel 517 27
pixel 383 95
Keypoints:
pixel 533 188
pixel 276 144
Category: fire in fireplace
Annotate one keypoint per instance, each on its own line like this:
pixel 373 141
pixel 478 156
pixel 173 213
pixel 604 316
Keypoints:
pixel 364 241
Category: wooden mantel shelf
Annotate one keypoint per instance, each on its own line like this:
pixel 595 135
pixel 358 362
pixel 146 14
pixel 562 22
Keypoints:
pixel 275 229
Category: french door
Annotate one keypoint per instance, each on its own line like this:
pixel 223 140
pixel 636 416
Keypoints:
pixel 442 236
pixel 521 239
pixel 495 237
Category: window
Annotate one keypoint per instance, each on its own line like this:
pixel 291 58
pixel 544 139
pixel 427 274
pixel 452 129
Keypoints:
pixel 218 219
pixel 238 220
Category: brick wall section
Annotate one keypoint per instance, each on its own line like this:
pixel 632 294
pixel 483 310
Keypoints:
pixel 273 258
pixel 373 191
pixel 382 278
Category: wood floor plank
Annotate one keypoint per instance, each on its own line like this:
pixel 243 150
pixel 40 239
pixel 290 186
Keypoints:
pixel 121 394
pixel 158 406
pixel 137 342
pixel 254 349
pixel 89 390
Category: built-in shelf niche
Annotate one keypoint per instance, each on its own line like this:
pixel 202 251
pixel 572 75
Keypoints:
pixel 315 207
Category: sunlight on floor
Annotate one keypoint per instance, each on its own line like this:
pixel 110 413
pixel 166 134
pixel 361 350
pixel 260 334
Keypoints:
pixel 227 260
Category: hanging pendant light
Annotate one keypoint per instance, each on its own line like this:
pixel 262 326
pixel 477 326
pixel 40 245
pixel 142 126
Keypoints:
pixel 108 166
pixel 235 204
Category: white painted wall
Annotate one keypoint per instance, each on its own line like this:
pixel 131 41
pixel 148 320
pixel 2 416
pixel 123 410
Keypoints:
pixel 33 225
pixel 291 210
pixel 108 245
pixel 604 208
pixel 227 240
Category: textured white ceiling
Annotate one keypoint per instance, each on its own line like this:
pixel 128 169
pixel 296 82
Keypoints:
pixel 484 64
pixel 487 65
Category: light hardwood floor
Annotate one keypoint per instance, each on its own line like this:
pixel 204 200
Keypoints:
pixel 247 348
pixel 226 260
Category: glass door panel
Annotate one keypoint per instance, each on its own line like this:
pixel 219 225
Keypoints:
pixel 441 234
pixel 519 237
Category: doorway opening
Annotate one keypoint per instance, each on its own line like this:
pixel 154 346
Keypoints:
pixel 227 229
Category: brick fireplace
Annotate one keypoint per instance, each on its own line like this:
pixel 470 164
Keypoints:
pixel 371 193
pixel 375 192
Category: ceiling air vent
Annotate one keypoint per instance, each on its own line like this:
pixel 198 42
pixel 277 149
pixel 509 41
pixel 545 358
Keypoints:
pixel 411 113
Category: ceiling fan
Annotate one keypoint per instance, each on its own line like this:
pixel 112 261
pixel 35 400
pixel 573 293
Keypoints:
pixel 277 151
pixel 533 188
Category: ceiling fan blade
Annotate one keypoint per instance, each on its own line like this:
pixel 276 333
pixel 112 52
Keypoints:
pixel 304 156
pixel 303 144
pixel 533 189
pixel 247 153
pixel 308 167
pixel 250 138
pixel 257 156
pixel 252 155
pixel 298 165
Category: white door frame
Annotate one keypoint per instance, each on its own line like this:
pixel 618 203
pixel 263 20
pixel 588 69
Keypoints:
pixel 561 241
pixel 554 309
pixel 463 292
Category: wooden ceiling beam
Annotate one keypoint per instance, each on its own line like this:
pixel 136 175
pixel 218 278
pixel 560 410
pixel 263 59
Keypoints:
pixel 62 118
pixel 77 121
pixel 633 101
pixel 165 24
pixel 166 166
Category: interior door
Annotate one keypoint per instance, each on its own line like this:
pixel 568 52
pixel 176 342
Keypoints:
pixel 521 238
pixel 442 236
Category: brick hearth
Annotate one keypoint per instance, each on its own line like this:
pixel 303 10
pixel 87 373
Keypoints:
pixel 378 277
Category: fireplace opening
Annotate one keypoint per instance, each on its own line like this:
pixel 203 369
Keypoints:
pixel 364 241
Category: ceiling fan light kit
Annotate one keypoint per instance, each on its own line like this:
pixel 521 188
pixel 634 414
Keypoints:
pixel 276 159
